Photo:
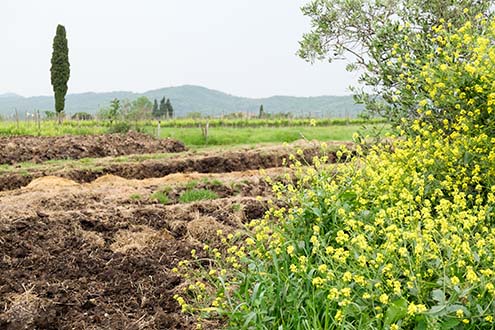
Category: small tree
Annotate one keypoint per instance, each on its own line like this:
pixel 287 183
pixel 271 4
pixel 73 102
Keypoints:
pixel 114 109
pixel 141 108
pixel 170 109
pixel 60 69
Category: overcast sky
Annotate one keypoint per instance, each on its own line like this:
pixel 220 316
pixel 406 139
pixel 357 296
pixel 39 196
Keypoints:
pixel 241 47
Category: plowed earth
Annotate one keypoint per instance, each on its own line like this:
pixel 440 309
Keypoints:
pixel 211 162
pixel 17 149
pixel 99 255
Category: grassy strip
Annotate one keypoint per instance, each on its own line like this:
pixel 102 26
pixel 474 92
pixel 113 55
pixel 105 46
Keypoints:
pixel 226 136
pixel 52 128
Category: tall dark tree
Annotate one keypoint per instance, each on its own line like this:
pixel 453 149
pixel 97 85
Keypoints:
pixel 155 112
pixel 262 112
pixel 170 109
pixel 60 69
pixel 163 107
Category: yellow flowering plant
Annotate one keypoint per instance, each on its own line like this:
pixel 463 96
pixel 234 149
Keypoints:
pixel 392 240
pixel 379 40
pixel 452 87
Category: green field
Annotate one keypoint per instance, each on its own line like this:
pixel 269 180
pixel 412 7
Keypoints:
pixel 220 133
pixel 233 136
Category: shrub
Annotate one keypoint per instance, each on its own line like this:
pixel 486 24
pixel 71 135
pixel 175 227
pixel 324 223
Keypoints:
pixel 120 127
pixel 372 34
pixel 452 85
pixel 394 240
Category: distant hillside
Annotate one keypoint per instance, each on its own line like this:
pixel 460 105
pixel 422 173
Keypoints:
pixel 187 99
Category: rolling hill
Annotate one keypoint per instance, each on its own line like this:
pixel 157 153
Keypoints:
pixel 187 99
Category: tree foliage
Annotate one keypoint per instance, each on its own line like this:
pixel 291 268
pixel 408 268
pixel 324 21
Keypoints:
pixel 114 109
pixel 140 108
pixel 60 68
pixel 170 109
pixel 82 116
pixel 452 85
pixel 155 112
pixel 370 33
pixel 163 107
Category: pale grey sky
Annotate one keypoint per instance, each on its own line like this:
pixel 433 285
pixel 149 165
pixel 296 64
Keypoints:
pixel 241 47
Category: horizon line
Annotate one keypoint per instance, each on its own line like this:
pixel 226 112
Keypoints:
pixel 174 86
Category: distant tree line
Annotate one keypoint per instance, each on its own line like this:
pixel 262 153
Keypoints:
pixel 164 110
pixel 140 109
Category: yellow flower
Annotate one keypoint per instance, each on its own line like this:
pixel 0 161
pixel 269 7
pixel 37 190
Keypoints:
pixel 318 281
pixel 322 268
pixel 471 275
pixel 346 292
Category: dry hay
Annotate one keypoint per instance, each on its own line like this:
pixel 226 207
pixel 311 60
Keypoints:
pixel 51 182
pixel 92 238
pixel 24 310
pixel 110 180
pixel 137 238
pixel 206 228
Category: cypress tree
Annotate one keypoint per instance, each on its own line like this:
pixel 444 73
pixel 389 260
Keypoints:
pixel 170 109
pixel 155 111
pixel 163 107
pixel 60 69
pixel 262 112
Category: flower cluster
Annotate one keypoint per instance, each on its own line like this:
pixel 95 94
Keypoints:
pixel 392 240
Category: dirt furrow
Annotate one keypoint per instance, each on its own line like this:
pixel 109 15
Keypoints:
pixel 217 163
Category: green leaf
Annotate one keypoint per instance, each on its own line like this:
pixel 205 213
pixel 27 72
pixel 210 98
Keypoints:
pixel 439 296
pixel 449 324
pixel 421 323
pixel 396 311
pixel 438 310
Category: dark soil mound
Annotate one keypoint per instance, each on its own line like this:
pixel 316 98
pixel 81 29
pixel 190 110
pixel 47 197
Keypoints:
pixel 102 263
pixel 38 149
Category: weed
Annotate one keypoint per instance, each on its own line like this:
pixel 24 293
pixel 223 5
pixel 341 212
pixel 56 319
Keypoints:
pixel 161 197
pixel 216 183
pixel 236 207
pixel 192 184
pixel 193 195
pixel 135 197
